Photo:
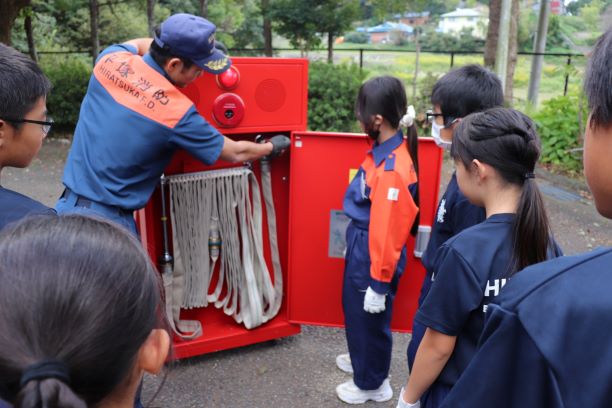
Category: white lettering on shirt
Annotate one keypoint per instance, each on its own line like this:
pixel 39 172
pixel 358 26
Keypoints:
pixel 494 286
pixel 492 289
pixel 441 211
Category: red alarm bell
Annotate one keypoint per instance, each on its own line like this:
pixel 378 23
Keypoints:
pixel 228 109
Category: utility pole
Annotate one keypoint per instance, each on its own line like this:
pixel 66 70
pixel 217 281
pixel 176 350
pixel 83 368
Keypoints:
pixel 501 59
pixel 538 48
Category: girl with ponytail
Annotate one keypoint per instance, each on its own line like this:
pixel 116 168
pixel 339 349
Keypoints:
pixel 81 315
pixel 382 204
pixel 495 154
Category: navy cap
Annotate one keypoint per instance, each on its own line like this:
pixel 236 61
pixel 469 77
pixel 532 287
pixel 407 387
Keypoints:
pixel 193 37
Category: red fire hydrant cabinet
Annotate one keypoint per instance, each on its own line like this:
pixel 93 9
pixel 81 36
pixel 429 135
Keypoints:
pixel 269 96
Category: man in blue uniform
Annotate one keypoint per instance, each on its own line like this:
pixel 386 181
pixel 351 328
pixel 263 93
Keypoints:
pixel 460 92
pixel 134 117
pixel 23 126
pixel 546 341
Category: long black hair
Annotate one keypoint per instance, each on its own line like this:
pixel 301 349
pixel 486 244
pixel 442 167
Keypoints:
pixel 78 291
pixel 386 96
pixel 506 139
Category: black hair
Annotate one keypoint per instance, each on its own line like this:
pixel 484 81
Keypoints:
pixel 77 290
pixel 466 90
pixel 161 55
pixel 598 82
pixel 386 96
pixel 506 139
pixel 22 84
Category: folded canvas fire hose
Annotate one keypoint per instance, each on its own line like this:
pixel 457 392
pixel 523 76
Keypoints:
pixel 217 218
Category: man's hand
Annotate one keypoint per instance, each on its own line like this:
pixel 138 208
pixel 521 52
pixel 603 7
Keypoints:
pixel 280 143
pixel 373 302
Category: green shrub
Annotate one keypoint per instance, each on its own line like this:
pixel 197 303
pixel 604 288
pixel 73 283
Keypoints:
pixel 332 90
pixel 69 78
pixel 357 38
pixel 560 125
pixel 465 41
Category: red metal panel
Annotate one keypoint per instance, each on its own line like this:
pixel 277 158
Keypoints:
pixel 274 91
pixel 320 167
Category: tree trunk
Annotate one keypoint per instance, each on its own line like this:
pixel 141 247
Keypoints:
pixel 417 46
pixel 27 25
pixel 151 16
pixel 93 22
pixel 512 51
pixel 330 48
pixel 492 33
pixel 204 8
pixel 267 28
pixel 8 13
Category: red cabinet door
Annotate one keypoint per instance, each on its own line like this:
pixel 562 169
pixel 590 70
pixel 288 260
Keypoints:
pixel 321 167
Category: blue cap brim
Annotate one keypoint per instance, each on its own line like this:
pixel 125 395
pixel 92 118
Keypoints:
pixel 216 63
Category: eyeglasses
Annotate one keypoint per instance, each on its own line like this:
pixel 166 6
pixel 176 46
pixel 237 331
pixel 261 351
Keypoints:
pixel 46 124
pixel 431 116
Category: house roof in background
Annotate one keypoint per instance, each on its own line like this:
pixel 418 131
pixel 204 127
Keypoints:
pixel 411 14
pixel 386 27
pixel 462 13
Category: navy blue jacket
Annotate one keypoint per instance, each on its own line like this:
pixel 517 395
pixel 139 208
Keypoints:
pixel 547 339
pixel 14 206
pixel 455 213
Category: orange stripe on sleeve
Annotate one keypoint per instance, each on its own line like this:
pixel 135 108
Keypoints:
pixel 138 87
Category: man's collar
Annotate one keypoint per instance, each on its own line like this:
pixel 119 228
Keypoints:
pixel 151 62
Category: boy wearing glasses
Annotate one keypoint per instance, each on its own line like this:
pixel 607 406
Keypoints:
pixel 460 92
pixel 23 126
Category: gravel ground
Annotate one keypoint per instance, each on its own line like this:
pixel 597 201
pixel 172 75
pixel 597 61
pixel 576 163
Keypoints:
pixel 300 371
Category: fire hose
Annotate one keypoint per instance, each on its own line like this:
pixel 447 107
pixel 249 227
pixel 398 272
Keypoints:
pixel 217 219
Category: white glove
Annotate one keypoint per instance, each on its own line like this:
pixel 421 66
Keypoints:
pixel 373 302
pixel 403 404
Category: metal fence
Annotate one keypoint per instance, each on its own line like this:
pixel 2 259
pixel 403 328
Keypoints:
pixel 361 56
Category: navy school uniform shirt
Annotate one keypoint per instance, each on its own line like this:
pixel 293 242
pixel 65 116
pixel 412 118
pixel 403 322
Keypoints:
pixel 470 270
pixel 547 339
pixel 14 206
pixel 455 213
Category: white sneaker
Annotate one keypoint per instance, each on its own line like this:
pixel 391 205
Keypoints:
pixel 351 394
pixel 343 361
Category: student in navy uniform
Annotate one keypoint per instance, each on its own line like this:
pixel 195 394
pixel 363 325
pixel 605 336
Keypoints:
pixel 460 92
pixel 381 203
pixel 134 117
pixel 495 153
pixel 546 341
pixel 81 314
pixel 23 126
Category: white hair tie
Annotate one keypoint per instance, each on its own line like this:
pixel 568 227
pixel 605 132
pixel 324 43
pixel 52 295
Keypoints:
pixel 408 119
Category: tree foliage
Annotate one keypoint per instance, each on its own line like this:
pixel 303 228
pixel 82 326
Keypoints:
pixel 295 20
